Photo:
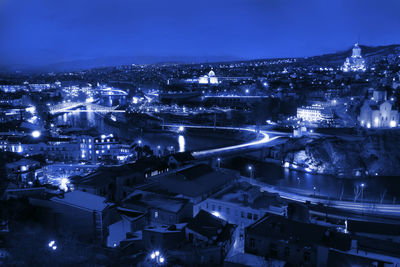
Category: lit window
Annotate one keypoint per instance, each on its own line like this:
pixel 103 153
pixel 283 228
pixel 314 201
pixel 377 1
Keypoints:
pixel 156 214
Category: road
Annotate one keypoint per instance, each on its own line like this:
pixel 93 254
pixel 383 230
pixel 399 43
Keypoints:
pixel 390 210
pixel 266 140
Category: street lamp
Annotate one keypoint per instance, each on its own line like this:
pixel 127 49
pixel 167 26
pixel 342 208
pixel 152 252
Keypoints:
pixel 314 189
pixel 250 168
pixel 52 245
pixel 219 162
pixel 36 134
pixel 157 257
pixel 362 192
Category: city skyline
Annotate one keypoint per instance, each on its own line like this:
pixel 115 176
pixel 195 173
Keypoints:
pixel 199 133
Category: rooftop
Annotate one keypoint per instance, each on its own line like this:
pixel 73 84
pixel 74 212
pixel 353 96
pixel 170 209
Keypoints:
pixel 82 200
pixel 142 199
pixel 210 226
pixel 193 181
pixel 307 234
pixel 247 195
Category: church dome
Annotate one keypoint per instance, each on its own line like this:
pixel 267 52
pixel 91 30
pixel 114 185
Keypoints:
pixel 211 73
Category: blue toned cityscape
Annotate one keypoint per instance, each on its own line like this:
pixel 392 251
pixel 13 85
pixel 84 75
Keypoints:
pixel 200 133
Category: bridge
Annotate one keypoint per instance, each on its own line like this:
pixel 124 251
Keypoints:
pixel 112 92
pixel 90 107
pixel 260 143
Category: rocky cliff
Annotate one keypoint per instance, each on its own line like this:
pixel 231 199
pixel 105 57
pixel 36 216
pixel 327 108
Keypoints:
pixel 375 154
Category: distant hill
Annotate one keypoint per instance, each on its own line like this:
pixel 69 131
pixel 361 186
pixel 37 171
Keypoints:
pixel 367 52
pixel 337 58
pixel 114 61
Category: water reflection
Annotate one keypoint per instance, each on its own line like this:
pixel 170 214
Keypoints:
pixel 329 185
pixel 151 138
pixel 181 141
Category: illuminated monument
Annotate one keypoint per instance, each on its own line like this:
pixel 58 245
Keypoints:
pixel 209 79
pixel 355 62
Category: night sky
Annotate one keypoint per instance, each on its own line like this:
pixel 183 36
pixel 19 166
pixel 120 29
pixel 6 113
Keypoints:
pixel 39 32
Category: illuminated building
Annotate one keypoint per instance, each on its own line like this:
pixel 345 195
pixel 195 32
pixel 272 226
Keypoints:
pixel 355 62
pixel 378 115
pixel 314 113
pixel 210 78
pixel 103 148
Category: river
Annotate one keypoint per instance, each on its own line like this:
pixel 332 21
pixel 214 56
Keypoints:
pixel 166 139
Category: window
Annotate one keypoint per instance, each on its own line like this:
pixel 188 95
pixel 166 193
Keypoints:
pixel 156 214
pixel 287 252
pixel 242 214
pixel 252 243
pixel 249 215
pixel 255 217
pixel 227 210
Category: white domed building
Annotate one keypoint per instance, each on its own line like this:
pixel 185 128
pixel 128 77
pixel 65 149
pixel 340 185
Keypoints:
pixel 355 62
pixel 210 78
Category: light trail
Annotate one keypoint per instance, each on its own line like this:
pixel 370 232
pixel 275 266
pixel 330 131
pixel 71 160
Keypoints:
pixel 359 207
pixel 266 139
pixel 70 106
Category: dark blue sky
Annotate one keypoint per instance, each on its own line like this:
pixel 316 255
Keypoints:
pixel 44 31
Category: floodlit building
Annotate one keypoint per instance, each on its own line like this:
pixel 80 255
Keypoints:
pixel 355 62
pixel 210 78
pixel 314 113
pixel 378 112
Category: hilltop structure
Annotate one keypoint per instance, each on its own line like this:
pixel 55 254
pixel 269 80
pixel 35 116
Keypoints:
pixel 355 62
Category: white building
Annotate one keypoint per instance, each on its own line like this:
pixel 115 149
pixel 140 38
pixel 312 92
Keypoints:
pixel 355 62
pixel 314 113
pixel 210 78
pixel 104 147
pixel 378 115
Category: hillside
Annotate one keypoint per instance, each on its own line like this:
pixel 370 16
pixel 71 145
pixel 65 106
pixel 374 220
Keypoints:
pixel 369 53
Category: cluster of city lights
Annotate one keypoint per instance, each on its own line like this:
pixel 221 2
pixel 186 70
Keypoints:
pixel 157 257
pixel 52 245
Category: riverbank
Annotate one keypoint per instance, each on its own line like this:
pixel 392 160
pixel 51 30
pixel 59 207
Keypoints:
pixel 375 154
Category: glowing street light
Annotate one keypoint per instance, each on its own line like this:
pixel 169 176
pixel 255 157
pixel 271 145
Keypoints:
pixel 157 257
pixel 52 245
pixel 362 192
pixel 219 162
pixel 250 168
pixel 36 134
pixel 181 129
